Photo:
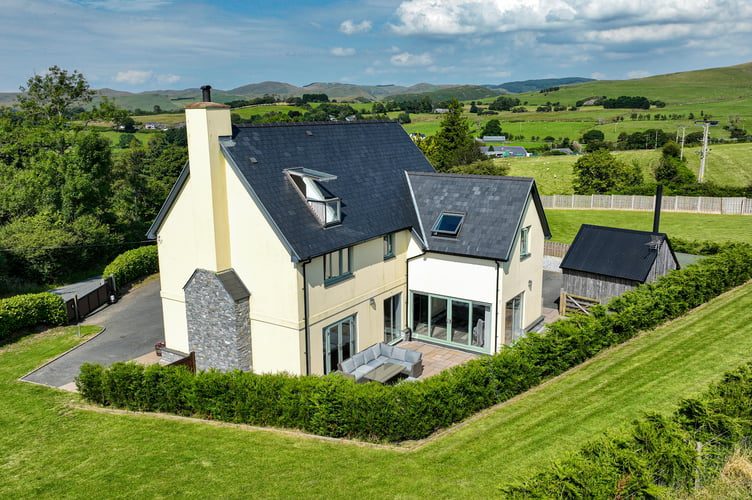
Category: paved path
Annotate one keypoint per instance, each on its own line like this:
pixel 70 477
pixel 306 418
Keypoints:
pixel 132 326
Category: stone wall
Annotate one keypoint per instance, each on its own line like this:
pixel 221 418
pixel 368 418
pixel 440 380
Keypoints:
pixel 219 329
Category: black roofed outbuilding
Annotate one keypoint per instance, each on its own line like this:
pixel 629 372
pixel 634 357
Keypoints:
pixel 604 262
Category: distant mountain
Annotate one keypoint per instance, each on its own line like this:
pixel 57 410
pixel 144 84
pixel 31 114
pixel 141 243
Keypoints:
pixel 460 92
pixel 536 85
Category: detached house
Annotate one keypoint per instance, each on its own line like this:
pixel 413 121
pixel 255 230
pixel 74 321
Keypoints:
pixel 290 247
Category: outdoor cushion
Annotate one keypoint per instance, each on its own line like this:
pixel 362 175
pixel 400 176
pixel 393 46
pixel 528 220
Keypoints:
pixel 386 350
pixel 383 359
pixel 348 365
pixel 361 370
pixel 359 358
pixel 399 353
pixel 412 356
pixel 369 355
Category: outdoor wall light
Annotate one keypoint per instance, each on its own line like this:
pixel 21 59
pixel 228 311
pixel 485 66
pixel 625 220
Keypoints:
pixel 530 284
pixel 372 302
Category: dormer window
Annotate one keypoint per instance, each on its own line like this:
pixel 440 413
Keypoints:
pixel 448 224
pixel 325 207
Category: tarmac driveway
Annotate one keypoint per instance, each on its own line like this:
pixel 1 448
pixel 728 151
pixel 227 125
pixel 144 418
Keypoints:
pixel 132 326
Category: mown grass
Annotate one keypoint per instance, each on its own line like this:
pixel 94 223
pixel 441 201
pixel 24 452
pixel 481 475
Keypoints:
pixel 51 449
pixel 711 227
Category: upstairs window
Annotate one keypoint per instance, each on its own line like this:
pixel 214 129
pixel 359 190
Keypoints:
pixel 448 224
pixel 326 208
pixel 337 265
pixel 525 242
pixel 388 246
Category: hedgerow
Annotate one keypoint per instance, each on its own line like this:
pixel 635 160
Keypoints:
pixel 25 311
pixel 334 406
pixel 659 456
pixel 133 264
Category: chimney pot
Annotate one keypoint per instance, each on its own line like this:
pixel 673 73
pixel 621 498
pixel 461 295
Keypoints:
pixel 206 93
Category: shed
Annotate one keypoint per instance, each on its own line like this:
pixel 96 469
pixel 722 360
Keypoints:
pixel 604 262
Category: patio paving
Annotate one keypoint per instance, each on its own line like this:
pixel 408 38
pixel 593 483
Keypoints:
pixel 437 358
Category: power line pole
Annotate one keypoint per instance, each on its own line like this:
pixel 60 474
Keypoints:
pixel 684 131
pixel 704 153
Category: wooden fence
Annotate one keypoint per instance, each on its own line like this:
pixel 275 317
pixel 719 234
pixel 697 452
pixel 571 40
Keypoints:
pixel 692 204
pixel 555 249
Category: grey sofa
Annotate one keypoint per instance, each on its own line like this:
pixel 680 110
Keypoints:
pixel 363 362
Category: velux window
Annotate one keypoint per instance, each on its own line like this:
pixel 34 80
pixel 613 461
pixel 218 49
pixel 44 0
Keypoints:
pixel 448 224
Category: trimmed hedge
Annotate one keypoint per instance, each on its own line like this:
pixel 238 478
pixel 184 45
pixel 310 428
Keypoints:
pixel 25 311
pixel 658 457
pixel 133 264
pixel 334 406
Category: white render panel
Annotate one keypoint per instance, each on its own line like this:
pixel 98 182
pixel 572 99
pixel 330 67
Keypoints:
pixel 453 276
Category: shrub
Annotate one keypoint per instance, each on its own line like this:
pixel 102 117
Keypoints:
pixel 25 311
pixel 133 264
pixel 334 406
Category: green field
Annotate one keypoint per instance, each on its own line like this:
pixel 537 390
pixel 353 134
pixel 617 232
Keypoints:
pixel 727 165
pixel 564 224
pixel 52 449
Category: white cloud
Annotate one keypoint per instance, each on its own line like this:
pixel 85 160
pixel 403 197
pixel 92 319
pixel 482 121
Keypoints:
pixel 343 51
pixel 598 76
pixel 640 73
pixel 133 76
pixel 168 78
pixel 407 59
pixel 349 27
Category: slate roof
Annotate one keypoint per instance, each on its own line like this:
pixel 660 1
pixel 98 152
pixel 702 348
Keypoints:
pixel 493 206
pixel 368 158
pixel 616 252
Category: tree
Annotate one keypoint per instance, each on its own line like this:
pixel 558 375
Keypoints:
pixel 454 144
pixel 671 169
pixel 482 167
pixel 592 135
pixel 50 97
pixel 491 128
pixel 601 172
pixel 404 117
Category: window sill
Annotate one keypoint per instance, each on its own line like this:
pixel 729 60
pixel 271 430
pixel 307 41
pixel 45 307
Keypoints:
pixel 389 256
pixel 337 279
pixel 525 255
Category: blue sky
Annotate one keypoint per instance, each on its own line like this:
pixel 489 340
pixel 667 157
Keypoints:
pixel 138 45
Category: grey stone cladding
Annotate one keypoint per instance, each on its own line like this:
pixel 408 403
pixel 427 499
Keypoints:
pixel 218 315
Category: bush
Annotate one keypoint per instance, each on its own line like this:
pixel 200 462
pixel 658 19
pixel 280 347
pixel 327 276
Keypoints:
pixel 334 406
pixel 25 311
pixel 133 264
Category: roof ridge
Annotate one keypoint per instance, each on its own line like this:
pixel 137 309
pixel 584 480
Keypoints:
pixel 473 176
pixel 623 229
pixel 308 124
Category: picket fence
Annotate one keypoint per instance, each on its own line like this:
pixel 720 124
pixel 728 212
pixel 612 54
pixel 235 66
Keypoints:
pixel 692 204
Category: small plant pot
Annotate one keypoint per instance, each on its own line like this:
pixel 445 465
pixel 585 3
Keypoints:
pixel 158 348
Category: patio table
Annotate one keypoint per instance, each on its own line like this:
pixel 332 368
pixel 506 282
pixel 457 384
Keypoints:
pixel 384 373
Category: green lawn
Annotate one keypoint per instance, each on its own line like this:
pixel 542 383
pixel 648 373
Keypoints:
pixel 52 450
pixel 720 228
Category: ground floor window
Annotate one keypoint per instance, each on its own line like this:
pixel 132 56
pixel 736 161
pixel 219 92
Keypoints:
pixel 392 318
pixel 513 320
pixel 453 321
pixel 339 343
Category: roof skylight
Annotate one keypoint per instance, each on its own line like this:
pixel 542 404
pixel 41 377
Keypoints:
pixel 448 224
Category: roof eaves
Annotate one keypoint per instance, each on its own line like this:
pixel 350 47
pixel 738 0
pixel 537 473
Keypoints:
pixel 174 192
pixel 422 234
pixel 227 154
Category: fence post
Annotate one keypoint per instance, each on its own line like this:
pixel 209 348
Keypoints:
pixel 698 447
pixel 75 308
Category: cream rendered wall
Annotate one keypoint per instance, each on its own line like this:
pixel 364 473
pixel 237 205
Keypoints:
pixel 373 277
pixel 519 271
pixel 275 282
pixel 195 232
pixel 177 243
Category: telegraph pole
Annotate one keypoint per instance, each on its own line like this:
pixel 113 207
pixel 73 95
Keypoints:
pixel 684 131
pixel 706 124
